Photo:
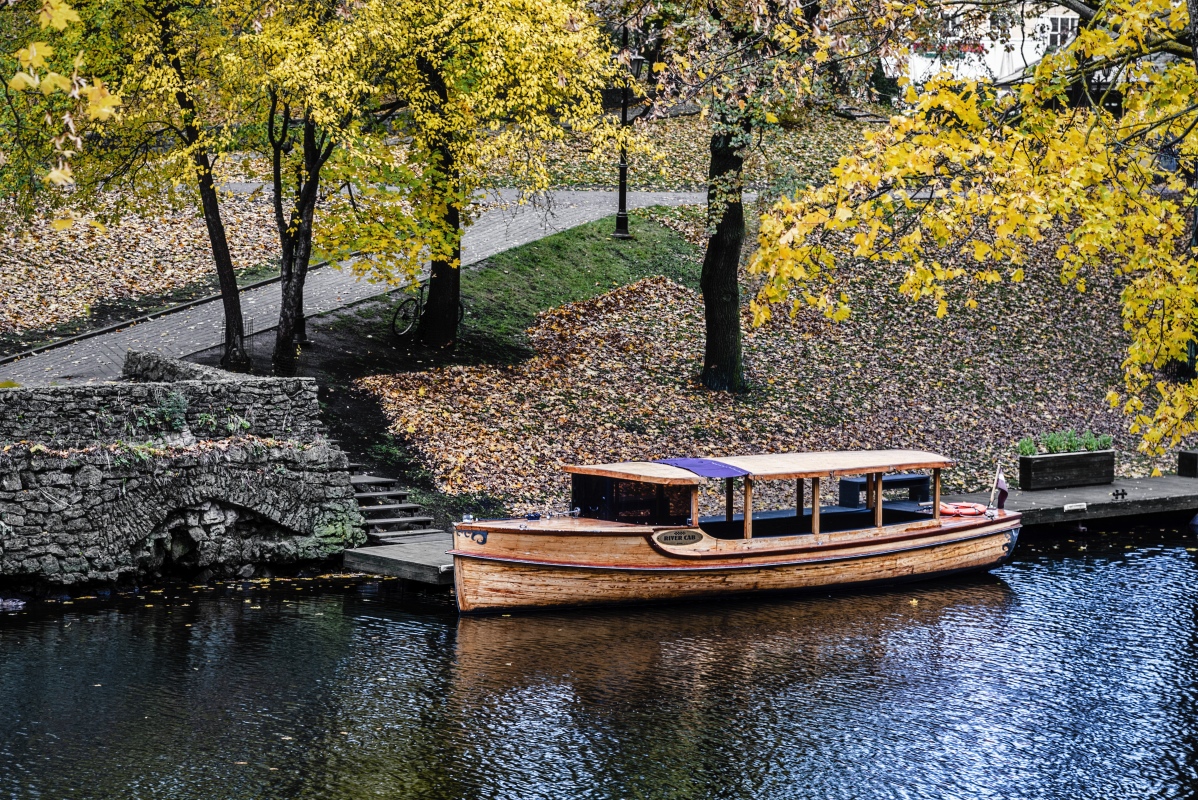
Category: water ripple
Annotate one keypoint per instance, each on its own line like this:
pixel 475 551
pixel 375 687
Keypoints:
pixel 1057 677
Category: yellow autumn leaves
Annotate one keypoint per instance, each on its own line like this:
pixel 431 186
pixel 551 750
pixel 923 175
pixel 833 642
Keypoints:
pixel 982 172
pixel 90 98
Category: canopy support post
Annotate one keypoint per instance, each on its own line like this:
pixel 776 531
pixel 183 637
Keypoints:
pixel 727 499
pixel 815 506
pixel 748 507
pixel 869 490
pixel 878 500
pixel 695 506
pixel 936 493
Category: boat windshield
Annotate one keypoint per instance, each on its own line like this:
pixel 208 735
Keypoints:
pixel 618 500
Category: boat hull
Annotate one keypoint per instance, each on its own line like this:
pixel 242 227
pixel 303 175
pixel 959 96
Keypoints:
pixel 487 584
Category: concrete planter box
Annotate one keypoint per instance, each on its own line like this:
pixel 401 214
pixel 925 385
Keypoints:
pixel 1061 470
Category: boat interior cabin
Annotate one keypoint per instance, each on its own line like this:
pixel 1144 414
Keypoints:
pixel 667 492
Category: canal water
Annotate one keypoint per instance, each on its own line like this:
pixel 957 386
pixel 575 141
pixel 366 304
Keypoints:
pixel 1070 673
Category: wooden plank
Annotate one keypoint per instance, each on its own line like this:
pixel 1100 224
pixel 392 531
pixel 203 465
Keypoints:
pixel 935 494
pixel 695 506
pixel 643 471
pixel 748 508
pixel 779 466
pixel 1125 498
pixel 728 500
pixel 774 466
pixel 423 561
pixel 815 505
pixel 878 500
pixel 650 547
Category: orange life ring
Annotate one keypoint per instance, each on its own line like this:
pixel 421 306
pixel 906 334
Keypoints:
pixel 962 509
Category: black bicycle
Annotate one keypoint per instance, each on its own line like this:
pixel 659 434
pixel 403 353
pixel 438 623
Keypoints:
pixel 407 314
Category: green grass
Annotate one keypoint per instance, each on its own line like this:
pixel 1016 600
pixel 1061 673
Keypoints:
pixel 504 298
pixel 503 295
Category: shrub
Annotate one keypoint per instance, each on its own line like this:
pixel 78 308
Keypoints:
pixel 1064 442
pixel 1053 442
pixel 172 410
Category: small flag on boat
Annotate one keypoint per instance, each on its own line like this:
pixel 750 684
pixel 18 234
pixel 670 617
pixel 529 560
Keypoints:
pixel 1001 487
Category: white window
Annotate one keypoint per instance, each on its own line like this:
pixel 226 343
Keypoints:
pixel 951 23
pixel 1060 31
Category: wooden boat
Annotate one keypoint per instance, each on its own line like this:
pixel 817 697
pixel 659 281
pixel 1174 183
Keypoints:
pixel 635 535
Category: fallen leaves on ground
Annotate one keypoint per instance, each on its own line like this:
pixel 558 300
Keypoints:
pixel 613 379
pixel 49 276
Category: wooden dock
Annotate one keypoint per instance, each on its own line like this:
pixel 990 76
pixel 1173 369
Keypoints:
pixel 423 559
pixel 1133 497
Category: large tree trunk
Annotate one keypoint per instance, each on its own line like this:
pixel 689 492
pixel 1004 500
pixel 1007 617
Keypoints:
pixel 723 368
pixel 291 310
pixel 439 324
pixel 234 358
pixel 295 238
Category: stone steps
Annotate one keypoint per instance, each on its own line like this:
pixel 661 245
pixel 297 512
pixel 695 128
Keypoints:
pixel 390 508
pixel 388 518
pixel 399 537
pixel 376 523
pixel 364 479
pixel 398 494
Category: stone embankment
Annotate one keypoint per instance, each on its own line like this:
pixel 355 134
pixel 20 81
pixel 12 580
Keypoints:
pixel 181 469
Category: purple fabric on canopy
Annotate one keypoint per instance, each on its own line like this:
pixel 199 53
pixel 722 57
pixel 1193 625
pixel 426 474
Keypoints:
pixel 707 467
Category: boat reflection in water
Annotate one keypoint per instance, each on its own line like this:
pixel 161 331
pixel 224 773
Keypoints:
pixel 737 699
pixel 702 651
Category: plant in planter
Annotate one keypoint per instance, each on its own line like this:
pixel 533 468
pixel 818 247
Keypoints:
pixel 1063 458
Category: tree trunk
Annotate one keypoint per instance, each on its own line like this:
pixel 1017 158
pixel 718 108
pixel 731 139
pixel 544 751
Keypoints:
pixel 234 358
pixel 723 368
pixel 291 309
pixel 296 243
pixel 439 323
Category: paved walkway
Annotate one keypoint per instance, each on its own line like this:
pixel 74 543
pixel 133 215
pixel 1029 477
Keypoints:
pixel 201 327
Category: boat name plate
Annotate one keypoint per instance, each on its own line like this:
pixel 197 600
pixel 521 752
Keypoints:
pixel 678 538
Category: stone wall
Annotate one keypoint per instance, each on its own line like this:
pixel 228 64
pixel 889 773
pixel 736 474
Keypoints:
pixel 181 403
pixel 113 512
pixel 153 368
pixel 195 471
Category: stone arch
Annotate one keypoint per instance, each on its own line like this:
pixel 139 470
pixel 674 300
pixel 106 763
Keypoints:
pixel 215 537
pixel 269 513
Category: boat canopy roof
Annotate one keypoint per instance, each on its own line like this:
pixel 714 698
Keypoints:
pixel 774 466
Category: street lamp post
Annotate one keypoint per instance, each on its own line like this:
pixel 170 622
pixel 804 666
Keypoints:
pixel 622 212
